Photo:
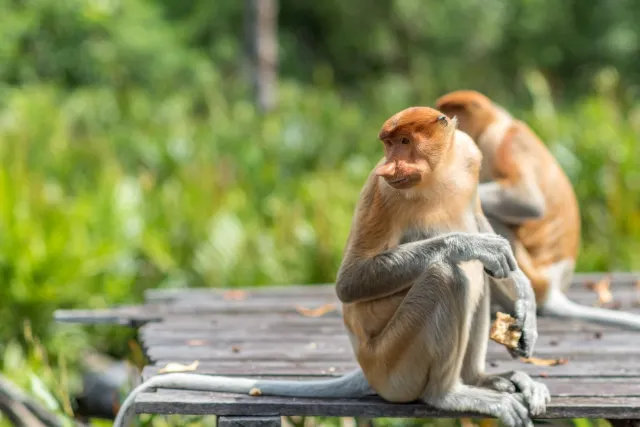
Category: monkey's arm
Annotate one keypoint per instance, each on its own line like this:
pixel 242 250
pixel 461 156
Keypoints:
pixel 516 195
pixel 516 295
pixel 365 278
pixel 512 203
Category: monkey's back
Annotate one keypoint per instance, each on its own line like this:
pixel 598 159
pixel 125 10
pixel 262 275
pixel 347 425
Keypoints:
pixel 556 236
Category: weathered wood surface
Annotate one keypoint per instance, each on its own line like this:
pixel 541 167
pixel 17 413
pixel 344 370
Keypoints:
pixel 259 332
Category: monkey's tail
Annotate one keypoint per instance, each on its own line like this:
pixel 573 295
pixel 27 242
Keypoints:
pixel 558 305
pixel 353 384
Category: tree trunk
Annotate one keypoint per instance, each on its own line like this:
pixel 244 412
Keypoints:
pixel 261 30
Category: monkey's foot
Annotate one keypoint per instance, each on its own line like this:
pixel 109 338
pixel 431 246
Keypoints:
pixel 534 393
pixel 507 407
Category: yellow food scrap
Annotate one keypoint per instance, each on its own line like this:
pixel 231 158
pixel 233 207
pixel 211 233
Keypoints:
pixel 502 333
pixel 255 392
pixel 544 362
pixel 315 312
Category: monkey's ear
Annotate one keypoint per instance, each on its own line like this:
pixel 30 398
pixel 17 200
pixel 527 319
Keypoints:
pixel 442 120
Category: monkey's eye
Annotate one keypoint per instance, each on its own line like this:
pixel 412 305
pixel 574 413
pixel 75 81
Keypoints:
pixel 442 120
pixel 405 141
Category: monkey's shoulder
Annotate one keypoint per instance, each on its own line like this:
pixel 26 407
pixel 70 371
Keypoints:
pixel 468 154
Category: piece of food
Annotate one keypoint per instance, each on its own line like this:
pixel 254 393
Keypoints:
pixel 315 312
pixel 255 392
pixel 544 362
pixel 503 331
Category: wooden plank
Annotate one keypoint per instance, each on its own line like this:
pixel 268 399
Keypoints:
pixel 232 421
pixel 619 279
pixel 173 294
pixel 558 387
pixel 203 314
pixel 282 299
pixel 202 403
pixel 225 337
pixel 328 324
pixel 338 348
pixel 132 316
pixel 576 367
pixel 626 298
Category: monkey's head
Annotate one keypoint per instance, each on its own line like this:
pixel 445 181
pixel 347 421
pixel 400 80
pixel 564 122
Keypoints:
pixel 415 141
pixel 474 111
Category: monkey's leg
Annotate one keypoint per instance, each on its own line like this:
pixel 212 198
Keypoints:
pixel 422 349
pixel 536 394
pixel 558 305
pixel 516 293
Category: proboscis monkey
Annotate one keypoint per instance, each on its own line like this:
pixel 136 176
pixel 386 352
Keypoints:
pixel 529 200
pixel 415 283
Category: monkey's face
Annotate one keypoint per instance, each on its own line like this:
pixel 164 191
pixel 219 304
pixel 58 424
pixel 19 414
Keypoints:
pixel 474 111
pixel 415 140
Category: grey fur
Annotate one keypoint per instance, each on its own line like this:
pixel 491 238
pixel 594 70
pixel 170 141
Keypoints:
pixel 353 384
pixel 508 407
pixel 398 268
pixel 515 295
pixel 558 305
pixel 492 395
pixel 507 204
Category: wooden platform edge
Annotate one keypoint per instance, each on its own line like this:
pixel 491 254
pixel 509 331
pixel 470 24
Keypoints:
pixel 202 403
pixel 132 316
pixel 166 295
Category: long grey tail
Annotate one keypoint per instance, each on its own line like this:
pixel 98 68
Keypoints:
pixel 558 305
pixel 352 385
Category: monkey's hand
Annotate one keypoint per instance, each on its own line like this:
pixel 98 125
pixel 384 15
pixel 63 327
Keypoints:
pixel 525 315
pixel 492 250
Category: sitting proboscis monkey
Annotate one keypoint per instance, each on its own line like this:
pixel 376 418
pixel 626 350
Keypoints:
pixel 529 200
pixel 415 283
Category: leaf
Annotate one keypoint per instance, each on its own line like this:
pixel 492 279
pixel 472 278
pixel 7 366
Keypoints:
pixel 601 288
pixel 544 362
pixel 315 312
pixel 178 367
pixel 236 295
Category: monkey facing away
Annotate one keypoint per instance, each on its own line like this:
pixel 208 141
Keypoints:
pixel 529 200
pixel 415 283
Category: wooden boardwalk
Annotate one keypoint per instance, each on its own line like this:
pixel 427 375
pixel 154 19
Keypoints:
pixel 281 332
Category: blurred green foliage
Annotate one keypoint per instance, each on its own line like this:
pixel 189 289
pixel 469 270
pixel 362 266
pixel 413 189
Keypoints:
pixel 132 157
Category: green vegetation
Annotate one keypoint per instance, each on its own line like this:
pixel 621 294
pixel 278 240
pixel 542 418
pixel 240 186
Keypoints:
pixel 132 157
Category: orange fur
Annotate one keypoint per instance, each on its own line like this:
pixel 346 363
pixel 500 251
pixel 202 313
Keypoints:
pixel 514 156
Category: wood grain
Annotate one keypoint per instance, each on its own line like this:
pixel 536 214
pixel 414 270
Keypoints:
pixel 259 332
pixel 202 403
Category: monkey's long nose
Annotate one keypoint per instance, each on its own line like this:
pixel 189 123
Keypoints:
pixel 386 170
